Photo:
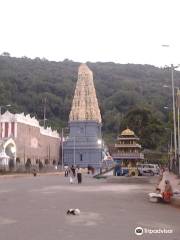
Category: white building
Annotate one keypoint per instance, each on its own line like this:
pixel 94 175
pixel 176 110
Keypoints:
pixel 22 138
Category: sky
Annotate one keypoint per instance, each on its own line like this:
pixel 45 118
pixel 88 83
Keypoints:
pixel 121 31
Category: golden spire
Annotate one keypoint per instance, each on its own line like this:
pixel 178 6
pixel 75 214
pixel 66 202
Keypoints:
pixel 85 104
pixel 127 132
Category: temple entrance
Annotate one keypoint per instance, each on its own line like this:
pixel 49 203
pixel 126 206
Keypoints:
pixel 8 154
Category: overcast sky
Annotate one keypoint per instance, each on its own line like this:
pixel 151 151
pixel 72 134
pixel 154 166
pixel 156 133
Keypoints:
pixel 123 31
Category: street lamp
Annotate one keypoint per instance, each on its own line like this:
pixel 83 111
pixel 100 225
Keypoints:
pixel 99 142
pixel 74 158
pixel 174 114
pixel 178 106
pixel 176 132
pixel 62 152
pixel 62 147
pixel 174 111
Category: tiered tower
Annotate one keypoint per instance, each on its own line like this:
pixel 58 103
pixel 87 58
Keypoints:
pixel 84 144
pixel 127 150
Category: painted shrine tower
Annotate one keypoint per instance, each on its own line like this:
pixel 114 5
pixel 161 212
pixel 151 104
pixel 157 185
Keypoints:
pixel 83 146
pixel 85 104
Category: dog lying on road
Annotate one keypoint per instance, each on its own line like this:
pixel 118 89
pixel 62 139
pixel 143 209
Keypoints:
pixel 73 211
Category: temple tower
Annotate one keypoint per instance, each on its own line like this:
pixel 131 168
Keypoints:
pixel 83 146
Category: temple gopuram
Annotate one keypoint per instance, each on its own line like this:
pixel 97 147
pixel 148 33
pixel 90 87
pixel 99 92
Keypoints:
pixel 127 150
pixel 84 145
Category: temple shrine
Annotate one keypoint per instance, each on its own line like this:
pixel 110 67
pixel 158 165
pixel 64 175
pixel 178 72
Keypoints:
pixel 83 146
pixel 127 151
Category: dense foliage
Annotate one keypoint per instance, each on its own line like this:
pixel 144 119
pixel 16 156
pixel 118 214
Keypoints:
pixel 129 94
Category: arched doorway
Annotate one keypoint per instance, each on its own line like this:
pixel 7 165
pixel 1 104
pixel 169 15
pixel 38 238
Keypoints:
pixel 7 154
pixel 10 150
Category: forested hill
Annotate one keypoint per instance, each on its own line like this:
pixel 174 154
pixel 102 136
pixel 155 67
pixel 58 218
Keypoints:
pixel 121 89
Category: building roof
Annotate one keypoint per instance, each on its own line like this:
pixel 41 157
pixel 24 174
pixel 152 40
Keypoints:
pixel 28 120
pixel 127 132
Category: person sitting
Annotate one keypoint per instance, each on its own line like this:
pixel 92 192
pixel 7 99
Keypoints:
pixel 168 192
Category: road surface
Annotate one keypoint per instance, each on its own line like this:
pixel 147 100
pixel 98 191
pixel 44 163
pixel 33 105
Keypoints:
pixel 34 208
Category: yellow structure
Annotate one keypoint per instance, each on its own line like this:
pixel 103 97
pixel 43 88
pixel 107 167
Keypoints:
pixel 127 151
pixel 85 105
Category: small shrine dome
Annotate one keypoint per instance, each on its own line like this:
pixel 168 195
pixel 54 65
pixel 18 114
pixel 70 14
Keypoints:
pixel 127 132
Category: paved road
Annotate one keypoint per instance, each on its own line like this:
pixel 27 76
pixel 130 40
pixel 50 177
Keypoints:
pixel 34 208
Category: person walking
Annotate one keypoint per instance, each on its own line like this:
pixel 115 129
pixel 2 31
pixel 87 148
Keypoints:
pixel 66 171
pixel 73 170
pixel 79 175
pixel 71 177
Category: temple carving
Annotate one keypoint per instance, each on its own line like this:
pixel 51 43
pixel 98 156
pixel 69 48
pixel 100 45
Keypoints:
pixel 85 104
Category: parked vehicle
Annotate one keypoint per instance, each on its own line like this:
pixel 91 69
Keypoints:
pixel 148 169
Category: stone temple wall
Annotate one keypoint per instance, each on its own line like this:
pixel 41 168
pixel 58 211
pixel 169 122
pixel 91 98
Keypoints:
pixel 32 144
pixel 32 141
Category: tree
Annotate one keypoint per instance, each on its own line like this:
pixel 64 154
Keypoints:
pixel 24 82
pixel 146 126
pixel 6 54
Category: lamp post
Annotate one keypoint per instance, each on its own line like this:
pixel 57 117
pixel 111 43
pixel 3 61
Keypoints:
pixel 100 144
pixel 74 151
pixel 169 146
pixel 62 152
pixel 176 154
pixel 176 131
pixel 62 148
pixel 174 112
pixel 178 106
pixel 174 109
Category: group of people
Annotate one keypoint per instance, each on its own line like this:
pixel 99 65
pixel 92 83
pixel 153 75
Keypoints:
pixel 73 172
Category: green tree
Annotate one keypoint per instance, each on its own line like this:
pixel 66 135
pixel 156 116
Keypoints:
pixel 146 126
